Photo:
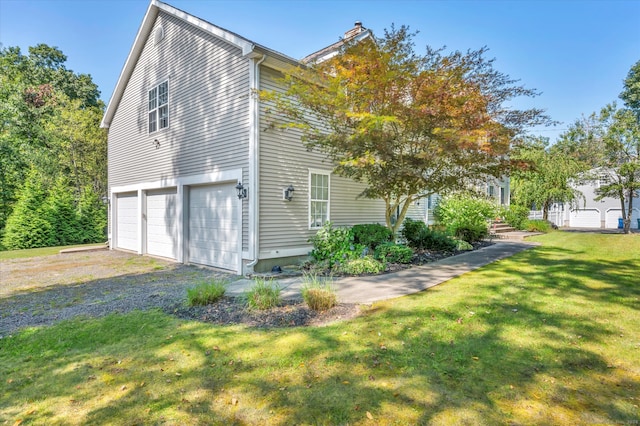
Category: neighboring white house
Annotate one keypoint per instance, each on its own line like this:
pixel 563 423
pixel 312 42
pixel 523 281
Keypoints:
pixel 589 213
pixel 195 174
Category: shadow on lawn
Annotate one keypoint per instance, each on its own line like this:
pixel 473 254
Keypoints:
pixel 523 354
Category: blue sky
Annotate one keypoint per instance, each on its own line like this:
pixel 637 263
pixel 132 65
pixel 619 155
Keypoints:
pixel 577 53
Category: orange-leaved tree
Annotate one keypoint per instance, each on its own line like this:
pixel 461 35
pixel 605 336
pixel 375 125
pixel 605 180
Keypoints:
pixel 406 125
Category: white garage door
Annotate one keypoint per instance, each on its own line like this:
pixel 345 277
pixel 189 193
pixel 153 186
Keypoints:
pixel 613 215
pixel 587 218
pixel 214 226
pixel 127 221
pixel 161 223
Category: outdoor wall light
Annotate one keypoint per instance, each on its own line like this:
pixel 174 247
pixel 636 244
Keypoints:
pixel 288 193
pixel 242 191
pixel 156 142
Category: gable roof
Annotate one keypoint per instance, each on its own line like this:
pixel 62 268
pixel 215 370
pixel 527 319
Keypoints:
pixel 248 48
pixel 356 34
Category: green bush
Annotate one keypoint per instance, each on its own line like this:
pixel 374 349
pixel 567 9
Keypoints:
pixel 515 216
pixel 465 216
pixel 472 234
pixel 319 295
pixel 264 294
pixel 411 230
pixel 463 245
pixel 334 245
pixel 420 237
pixel 537 226
pixel 393 253
pixel 363 265
pixel 206 293
pixel 371 234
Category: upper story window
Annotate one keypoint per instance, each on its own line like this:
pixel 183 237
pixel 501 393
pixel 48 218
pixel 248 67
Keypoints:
pixel 604 179
pixel 159 107
pixel 318 199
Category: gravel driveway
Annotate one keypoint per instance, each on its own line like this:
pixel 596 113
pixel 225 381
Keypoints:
pixel 43 290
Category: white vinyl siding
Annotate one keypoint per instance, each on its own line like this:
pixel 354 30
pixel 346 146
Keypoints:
pixel 318 199
pixel 208 109
pixel 284 161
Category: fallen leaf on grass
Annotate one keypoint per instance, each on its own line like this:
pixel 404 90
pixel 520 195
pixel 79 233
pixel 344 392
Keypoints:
pixel 369 416
pixel 234 401
pixel 475 358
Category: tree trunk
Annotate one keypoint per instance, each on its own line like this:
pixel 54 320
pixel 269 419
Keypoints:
pixel 545 210
pixel 627 219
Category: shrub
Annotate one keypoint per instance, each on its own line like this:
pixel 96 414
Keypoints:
pixel 371 234
pixel 393 253
pixel 463 245
pixel 465 216
pixel 516 216
pixel 472 234
pixel 206 293
pixel 411 230
pixel 334 245
pixel 537 226
pixel 420 237
pixel 264 294
pixel 363 265
pixel 318 295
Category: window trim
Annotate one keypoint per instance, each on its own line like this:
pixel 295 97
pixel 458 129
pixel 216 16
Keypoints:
pixel 156 110
pixel 310 200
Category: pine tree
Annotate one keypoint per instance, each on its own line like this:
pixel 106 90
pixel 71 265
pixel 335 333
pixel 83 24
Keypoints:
pixel 27 226
pixel 92 217
pixel 60 211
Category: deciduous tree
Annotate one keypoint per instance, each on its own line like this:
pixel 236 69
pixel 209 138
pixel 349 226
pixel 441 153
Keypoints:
pixel 405 124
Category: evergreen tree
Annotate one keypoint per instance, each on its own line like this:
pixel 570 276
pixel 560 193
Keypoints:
pixel 27 226
pixel 60 212
pixel 92 217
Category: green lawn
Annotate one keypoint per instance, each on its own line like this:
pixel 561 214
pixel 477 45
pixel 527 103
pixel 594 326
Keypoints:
pixel 549 336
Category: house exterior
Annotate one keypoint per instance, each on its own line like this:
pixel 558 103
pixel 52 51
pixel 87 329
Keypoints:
pixel 587 212
pixel 195 173
pixel 590 213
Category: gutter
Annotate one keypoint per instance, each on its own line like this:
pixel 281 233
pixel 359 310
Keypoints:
pixel 254 161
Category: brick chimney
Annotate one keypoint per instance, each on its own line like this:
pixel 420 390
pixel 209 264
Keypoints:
pixel 357 29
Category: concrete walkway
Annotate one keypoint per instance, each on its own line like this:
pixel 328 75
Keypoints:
pixel 387 286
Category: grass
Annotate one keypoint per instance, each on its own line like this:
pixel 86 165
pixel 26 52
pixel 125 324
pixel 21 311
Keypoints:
pixel 264 294
pixel 318 294
pixel 206 292
pixel 42 251
pixel 549 336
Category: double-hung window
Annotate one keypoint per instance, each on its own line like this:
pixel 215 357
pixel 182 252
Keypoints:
pixel 318 199
pixel 159 107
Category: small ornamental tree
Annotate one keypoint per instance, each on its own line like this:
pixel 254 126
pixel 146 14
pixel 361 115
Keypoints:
pixel 405 124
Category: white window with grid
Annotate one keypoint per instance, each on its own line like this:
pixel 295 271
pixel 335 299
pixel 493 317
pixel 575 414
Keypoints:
pixel 159 107
pixel 318 199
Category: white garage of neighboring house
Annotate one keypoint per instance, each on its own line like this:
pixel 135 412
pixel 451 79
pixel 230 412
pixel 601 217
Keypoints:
pixel 612 216
pixel 585 218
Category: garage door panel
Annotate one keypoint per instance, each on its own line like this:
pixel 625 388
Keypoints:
pixel 127 221
pixel 214 226
pixel 162 223
pixel 587 218
pixel 613 215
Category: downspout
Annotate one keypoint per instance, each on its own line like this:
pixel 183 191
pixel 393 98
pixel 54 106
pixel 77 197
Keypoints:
pixel 254 163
